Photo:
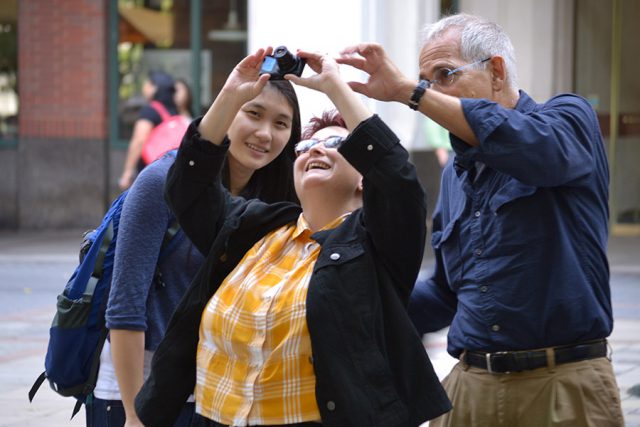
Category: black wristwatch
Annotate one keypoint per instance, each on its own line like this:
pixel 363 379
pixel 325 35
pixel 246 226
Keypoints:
pixel 420 89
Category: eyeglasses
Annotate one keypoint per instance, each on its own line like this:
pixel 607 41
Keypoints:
pixel 445 76
pixel 306 144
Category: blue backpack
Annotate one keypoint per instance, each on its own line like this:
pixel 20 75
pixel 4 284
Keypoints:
pixel 78 331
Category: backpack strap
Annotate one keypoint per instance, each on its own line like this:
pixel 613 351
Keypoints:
pixel 90 385
pixel 174 228
pixel 160 109
pixel 165 250
pixel 98 267
pixel 36 385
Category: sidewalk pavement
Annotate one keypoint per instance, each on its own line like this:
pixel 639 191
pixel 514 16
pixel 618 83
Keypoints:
pixel 35 265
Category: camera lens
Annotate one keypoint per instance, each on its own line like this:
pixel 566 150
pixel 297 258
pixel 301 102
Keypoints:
pixel 286 60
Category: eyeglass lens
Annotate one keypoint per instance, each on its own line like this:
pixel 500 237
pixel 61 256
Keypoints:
pixel 443 76
pixel 331 142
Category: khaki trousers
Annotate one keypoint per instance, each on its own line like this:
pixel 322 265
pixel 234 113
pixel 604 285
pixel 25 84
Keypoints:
pixel 575 394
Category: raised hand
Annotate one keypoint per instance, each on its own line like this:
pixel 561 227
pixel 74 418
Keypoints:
pixel 326 68
pixel 327 80
pixel 245 81
pixel 243 84
pixel 385 80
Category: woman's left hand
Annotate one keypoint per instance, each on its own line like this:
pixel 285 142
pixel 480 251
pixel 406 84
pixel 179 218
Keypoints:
pixel 327 70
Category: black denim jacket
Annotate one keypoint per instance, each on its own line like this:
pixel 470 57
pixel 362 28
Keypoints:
pixel 370 365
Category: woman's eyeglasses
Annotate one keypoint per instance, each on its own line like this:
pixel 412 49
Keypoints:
pixel 446 76
pixel 306 144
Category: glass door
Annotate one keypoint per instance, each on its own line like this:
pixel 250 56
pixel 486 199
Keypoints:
pixel 625 118
pixel 606 70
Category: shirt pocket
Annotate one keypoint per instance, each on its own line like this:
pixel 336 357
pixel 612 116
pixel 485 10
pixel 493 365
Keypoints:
pixel 521 220
pixel 447 242
pixel 510 192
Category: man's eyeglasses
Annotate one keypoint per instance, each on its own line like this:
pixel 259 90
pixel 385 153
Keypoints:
pixel 306 144
pixel 446 76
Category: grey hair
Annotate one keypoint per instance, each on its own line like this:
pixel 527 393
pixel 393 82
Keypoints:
pixel 479 39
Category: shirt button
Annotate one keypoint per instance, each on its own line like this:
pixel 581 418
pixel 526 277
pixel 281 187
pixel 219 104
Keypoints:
pixel 477 214
pixel 331 405
pixel 495 328
pixel 478 251
pixel 369 147
pixel 484 288
pixel 335 256
pixel 191 163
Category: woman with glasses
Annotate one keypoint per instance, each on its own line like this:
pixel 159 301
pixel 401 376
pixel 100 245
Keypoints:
pixel 298 316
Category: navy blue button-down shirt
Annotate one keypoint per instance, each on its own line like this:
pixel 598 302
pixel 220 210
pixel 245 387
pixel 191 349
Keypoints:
pixel 520 231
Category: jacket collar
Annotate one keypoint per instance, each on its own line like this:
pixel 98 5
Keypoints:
pixel 345 232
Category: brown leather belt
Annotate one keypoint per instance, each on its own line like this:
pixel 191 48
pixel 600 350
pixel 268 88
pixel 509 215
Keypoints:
pixel 517 361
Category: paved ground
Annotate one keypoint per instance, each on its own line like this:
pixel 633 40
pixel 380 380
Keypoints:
pixel 35 266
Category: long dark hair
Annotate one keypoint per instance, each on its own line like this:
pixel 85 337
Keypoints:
pixel 274 182
pixel 189 94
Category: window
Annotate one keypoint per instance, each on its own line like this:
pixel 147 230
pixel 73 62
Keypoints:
pixel 157 35
pixel 9 104
pixel 147 41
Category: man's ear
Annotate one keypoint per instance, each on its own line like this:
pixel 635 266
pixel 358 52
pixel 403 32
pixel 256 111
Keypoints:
pixel 498 73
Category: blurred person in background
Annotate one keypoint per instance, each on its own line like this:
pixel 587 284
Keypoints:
pixel 183 98
pixel 158 86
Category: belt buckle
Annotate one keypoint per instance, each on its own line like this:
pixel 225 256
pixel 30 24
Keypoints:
pixel 488 357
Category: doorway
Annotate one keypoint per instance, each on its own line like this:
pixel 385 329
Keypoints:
pixel 606 70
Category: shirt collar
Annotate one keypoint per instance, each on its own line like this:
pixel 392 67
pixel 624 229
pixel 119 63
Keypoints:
pixel 525 103
pixel 302 226
pixel 463 162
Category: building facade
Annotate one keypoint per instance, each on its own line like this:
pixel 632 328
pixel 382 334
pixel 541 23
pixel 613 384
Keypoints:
pixel 71 70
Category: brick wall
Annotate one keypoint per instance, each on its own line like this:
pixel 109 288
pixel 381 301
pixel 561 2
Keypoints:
pixel 63 69
pixel 59 164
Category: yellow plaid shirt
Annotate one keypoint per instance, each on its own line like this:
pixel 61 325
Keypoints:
pixel 254 362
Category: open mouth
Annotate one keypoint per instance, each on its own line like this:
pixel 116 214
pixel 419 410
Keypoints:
pixel 256 148
pixel 316 165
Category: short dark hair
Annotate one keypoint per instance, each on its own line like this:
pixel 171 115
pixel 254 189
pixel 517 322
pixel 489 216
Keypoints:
pixel 274 182
pixel 165 88
pixel 327 119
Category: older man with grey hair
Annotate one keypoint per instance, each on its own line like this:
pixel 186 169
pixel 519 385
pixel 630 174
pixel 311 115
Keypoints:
pixel 519 234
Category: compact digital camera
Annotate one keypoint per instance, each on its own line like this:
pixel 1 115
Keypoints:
pixel 282 62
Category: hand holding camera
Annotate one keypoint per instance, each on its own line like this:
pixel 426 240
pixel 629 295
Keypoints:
pixel 327 75
pixel 282 62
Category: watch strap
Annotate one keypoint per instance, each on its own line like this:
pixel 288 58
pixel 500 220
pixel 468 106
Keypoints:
pixel 419 90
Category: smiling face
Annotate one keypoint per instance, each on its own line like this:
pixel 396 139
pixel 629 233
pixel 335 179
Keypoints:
pixel 259 131
pixel 325 169
pixel 444 52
